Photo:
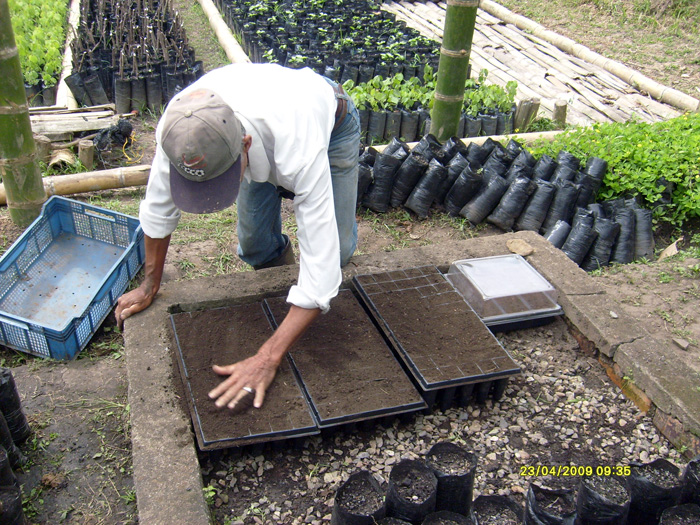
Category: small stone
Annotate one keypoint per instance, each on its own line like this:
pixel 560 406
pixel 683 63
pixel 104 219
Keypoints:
pixel 613 315
pixel 681 343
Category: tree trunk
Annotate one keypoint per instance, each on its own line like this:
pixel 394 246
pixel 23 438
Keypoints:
pixel 460 18
pixel 18 166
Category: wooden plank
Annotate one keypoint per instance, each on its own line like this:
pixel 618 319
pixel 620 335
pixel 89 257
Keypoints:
pixel 67 117
pixel 73 126
pixel 64 110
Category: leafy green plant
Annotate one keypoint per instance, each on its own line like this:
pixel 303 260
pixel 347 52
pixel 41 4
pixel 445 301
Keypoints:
pixel 639 156
pixel 482 98
pixel 39 27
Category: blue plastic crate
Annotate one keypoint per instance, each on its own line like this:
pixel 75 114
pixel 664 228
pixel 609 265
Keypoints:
pixel 62 277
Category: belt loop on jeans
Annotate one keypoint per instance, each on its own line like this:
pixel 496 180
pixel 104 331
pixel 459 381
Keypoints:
pixel 341 110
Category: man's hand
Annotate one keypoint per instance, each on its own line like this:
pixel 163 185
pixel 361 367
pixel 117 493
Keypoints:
pixel 132 302
pixel 141 298
pixel 256 372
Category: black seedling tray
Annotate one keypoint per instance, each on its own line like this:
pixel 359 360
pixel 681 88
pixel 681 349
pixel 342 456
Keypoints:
pixel 224 336
pixel 433 329
pixel 347 370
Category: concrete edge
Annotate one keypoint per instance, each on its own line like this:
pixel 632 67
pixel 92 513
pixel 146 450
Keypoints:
pixel 165 463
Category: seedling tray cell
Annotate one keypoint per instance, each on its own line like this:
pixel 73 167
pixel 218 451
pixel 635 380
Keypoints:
pixel 224 336
pixel 63 275
pixel 345 366
pixel 440 338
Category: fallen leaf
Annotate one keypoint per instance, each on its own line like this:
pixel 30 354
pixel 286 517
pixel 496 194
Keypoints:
pixel 671 249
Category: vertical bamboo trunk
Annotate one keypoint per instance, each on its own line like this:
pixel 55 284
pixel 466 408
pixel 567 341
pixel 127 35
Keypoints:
pixel 460 18
pixel 18 167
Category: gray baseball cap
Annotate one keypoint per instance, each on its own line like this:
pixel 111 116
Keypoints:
pixel 203 141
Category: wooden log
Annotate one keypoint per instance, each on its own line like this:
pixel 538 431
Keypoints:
pixel 43 148
pixel 91 181
pixel 86 153
pixel 526 113
pixel 560 114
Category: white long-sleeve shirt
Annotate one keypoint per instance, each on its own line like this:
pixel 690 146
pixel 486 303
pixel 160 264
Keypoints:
pixel 290 115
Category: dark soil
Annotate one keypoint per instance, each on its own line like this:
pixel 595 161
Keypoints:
pixel 556 503
pixel 451 463
pixel 346 366
pixel 359 497
pixel 495 511
pixel 414 485
pixel 681 515
pixel 608 487
pixel 442 339
pixel 446 518
pixel 223 336
pixel 662 477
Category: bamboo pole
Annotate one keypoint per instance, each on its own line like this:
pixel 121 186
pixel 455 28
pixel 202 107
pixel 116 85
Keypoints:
pixel 460 18
pixel 228 42
pixel 91 181
pixel 19 168
pixel 658 91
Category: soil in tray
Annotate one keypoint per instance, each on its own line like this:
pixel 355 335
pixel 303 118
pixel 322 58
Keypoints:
pixel 223 336
pixel 434 327
pixel 346 366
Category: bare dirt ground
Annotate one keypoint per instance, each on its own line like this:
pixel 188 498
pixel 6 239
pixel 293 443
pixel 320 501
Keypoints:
pixel 79 458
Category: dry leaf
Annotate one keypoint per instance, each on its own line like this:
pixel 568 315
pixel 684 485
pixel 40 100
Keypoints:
pixel 671 249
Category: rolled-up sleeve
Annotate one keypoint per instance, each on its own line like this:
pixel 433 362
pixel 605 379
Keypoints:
pixel 319 273
pixel 158 215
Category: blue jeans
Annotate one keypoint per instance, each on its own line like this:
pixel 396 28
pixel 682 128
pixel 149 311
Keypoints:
pixel 260 236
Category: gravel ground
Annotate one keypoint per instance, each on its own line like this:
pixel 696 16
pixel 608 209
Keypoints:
pixel 562 410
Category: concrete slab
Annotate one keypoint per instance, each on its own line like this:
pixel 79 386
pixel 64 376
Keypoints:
pixel 164 456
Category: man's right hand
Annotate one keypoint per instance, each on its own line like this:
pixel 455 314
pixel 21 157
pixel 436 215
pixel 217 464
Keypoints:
pixel 132 302
pixel 142 297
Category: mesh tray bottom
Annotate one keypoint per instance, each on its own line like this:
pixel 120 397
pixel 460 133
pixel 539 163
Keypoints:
pixel 62 282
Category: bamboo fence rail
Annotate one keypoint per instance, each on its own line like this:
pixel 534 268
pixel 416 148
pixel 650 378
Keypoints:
pixel 551 68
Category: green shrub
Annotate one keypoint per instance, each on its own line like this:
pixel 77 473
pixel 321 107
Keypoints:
pixel 639 155
pixel 39 27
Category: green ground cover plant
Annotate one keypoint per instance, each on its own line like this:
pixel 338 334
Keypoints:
pixel 40 34
pixel 658 163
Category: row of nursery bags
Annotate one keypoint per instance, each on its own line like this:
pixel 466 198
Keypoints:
pixel 439 490
pixel 508 187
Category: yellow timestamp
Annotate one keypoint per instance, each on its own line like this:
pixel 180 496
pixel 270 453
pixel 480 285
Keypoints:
pixel 574 470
